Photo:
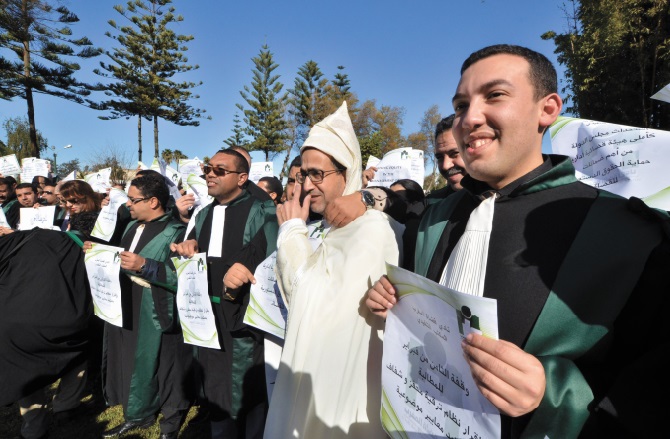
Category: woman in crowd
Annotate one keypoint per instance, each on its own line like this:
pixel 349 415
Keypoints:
pixel 83 205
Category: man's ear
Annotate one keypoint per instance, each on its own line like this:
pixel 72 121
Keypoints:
pixel 550 109
pixel 242 179
pixel 273 195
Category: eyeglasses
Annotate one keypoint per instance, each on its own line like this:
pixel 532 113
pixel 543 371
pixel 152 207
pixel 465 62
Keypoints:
pixel 134 201
pixel 316 175
pixel 46 193
pixel 72 201
pixel 219 171
pixel 290 180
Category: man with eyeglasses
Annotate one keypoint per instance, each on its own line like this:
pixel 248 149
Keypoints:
pixel 146 366
pixel 237 231
pixel 328 383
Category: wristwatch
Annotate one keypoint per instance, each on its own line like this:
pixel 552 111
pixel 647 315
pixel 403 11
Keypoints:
pixel 141 270
pixel 368 199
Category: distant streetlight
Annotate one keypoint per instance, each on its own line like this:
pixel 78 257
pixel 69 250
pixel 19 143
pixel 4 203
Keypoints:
pixel 53 148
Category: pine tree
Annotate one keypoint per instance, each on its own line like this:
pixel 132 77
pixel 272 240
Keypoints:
pixel 45 56
pixel 265 122
pixel 148 56
pixel 237 139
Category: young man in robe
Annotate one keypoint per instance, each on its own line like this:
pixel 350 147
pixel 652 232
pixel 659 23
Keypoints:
pixel 574 269
pixel 146 365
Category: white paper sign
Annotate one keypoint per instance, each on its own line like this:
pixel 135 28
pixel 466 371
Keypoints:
pixel 32 167
pixel 259 170
pixel 427 386
pixel 9 165
pixel 418 168
pixel 266 310
pixel 42 217
pixel 195 309
pixel 625 160
pixel 106 222
pixel 187 167
pixel 198 187
pixel 663 94
pixel 99 180
pixel 395 165
pixel 103 263
pixel 70 176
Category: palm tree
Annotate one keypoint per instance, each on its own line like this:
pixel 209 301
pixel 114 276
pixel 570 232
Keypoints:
pixel 178 155
pixel 168 156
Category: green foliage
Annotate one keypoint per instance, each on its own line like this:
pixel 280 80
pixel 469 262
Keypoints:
pixel 342 84
pixel 371 144
pixel 386 120
pixel 142 67
pixel 237 139
pixel 616 56
pixel 63 169
pixel 265 119
pixel 307 97
pixel 37 55
pixel 18 138
pixel 167 155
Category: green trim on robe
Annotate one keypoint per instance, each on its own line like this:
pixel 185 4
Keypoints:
pixel 6 207
pixel 560 335
pixel 559 328
pixel 260 216
pixel 143 399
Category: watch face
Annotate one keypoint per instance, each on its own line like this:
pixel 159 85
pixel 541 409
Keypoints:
pixel 368 198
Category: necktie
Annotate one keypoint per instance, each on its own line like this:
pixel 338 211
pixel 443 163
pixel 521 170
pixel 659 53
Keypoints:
pixel 465 270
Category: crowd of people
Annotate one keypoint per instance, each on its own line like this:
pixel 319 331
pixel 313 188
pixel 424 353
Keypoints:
pixel 574 271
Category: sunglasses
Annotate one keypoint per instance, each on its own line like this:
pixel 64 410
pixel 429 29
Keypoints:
pixel 134 201
pixel 219 171
pixel 71 201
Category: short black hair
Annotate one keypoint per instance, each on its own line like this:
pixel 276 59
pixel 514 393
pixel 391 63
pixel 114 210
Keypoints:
pixel 26 185
pixel 542 72
pixel 296 162
pixel 274 185
pixel 444 125
pixel 150 186
pixel 241 163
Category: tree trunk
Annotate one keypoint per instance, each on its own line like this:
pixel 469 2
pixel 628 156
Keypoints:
pixel 156 137
pixel 34 147
pixel 139 138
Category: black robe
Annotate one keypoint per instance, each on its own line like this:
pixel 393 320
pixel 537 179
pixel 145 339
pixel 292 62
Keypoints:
pixel 45 310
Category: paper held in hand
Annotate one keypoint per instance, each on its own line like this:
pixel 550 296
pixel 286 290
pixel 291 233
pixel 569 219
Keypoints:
pixel 103 263
pixel 195 309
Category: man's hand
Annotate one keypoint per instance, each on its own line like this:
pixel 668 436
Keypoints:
pixel 513 380
pixel 186 248
pixel 343 210
pixel 381 297
pixel 131 261
pixel 183 204
pixel 238 275
pixel 87 246
pixel 293 209
pixel 368 175
pixel 5 230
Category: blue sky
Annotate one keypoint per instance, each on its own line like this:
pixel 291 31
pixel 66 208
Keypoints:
pixel 399 52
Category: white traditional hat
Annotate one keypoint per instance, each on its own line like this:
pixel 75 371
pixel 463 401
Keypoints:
pixel 335 136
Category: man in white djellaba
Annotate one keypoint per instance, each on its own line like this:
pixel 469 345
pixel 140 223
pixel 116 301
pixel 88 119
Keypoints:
pixel 329 379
